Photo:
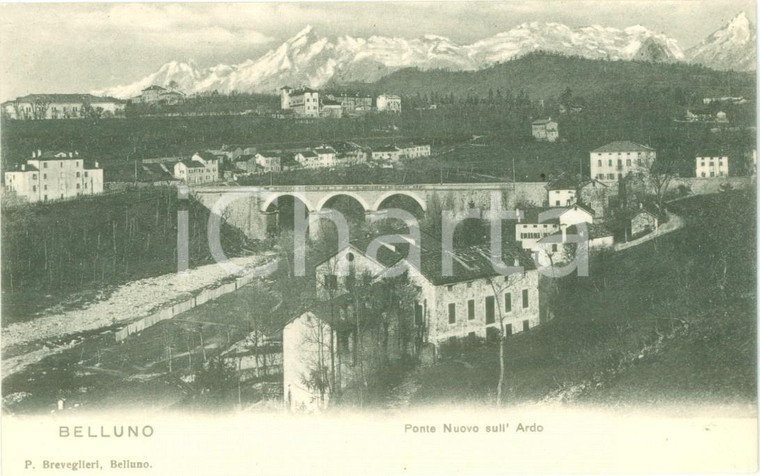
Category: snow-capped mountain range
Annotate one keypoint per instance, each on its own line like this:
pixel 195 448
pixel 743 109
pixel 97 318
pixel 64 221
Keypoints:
pixel 732 47
pixel 312 60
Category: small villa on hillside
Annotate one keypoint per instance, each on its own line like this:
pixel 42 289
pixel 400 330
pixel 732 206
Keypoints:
pixel 545 130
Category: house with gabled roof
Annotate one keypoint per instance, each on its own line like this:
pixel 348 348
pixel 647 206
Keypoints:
pixel 545 130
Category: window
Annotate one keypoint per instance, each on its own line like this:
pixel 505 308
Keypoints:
pixel 85 174
pixel 609 162
pixel 556 203
pixel 34 176
pixel 526 325
pixel 331 281
pixel 450 287
pixel 469 285
pixel 471 309
pixel 44 165
pixel 78 175
pixel 526 301
pixel 599 162
pixel 44 176
pixel 490 317
pixel 45 187
pixel 34 188
pixel 508 302
pixel 78 187
pixel 703 174
pixel 452 313
pixel 554 248
pixel 418 313
pixel 508 329
pixel 628 162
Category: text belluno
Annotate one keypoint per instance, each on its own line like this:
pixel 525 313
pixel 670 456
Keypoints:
pixel 116 431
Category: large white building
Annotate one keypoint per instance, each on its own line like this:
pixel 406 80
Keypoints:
pixel 473 300
pixel 303 102
pixel 615 160
pixel 62 106
pixel 54 176
pixel 203 167
pixel 712 166
pixel 388 103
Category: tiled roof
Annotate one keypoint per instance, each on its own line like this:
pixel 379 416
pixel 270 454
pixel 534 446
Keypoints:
pixel 308 153
pixel 539 122
pixel 154 88
pixel 623 146
pixel 324 150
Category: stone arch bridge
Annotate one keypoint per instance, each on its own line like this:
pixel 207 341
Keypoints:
pixel 247 207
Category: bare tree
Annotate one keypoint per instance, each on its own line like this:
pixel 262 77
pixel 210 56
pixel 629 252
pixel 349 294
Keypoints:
pixel 659 175
pixel 498 290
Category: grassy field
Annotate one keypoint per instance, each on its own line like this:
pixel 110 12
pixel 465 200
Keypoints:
pixel 662 322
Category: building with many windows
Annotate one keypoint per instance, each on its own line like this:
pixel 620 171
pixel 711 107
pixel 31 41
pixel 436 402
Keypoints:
pixel 712 166
pixel 545 130
pixel 203 167
pixel 62 106
pixel 303 102
pixel 617 159
pixel 54 176
pixel 388 103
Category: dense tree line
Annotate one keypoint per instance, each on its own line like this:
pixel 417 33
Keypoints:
pixel 97 241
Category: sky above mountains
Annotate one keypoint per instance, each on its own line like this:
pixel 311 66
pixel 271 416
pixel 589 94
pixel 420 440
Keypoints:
pixel 77 48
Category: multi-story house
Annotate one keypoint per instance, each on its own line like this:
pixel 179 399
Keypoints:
pixel 388 103
pixel 470 300
pixel 531 227
pixel 303 102
pixel 203 167
pixel 615 160
pixel 545 130
pixel 62 106
pixel 159 95
pixel 386 153
pixel 712 166
pixel 562 191
pixel 269 161
pixel 413 150
pixel 316 158
pixel 54 176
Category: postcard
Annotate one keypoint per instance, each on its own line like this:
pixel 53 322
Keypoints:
pixel 418 238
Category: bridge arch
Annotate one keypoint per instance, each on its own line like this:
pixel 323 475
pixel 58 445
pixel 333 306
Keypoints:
pixel 414 196
pixel 270 197
pixel 356 196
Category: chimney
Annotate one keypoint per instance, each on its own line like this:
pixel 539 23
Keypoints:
pixel 519 215
pixel 641 205
pixel 34 154
pixel 76 152
pixel 97 165
pixel 564 234
pixel 23 167
pixel 71 154
pixel 517 262
pixel 39 153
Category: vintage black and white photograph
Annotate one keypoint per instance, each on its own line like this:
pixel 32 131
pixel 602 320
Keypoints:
pixel 330 212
